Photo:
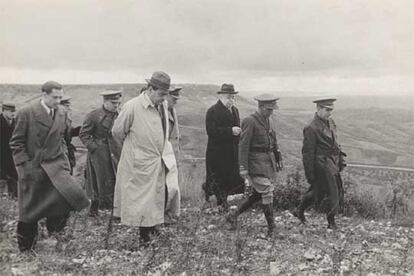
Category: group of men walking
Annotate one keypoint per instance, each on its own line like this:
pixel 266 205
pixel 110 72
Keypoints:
pixel 131 162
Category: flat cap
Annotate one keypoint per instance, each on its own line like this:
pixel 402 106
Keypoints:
pixel 111 94
pixel 8 106
pixel 49 85
pixel 227 88
pixel 65 100
pixel 325 102
pixel 269 101
pixel 175 92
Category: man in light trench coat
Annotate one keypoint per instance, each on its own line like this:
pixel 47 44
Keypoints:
pixel 146 158
pixel 45 186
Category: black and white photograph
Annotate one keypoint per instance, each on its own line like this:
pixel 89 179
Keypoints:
pixel 195 137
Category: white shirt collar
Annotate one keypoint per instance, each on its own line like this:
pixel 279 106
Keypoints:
pixel 45 106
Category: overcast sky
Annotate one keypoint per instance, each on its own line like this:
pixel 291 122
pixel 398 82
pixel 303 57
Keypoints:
pixel 347 46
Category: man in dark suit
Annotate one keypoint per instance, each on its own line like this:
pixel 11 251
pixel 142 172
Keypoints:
pixel 223 130
pixel 8 172
pixel 323 161
pixel 45 186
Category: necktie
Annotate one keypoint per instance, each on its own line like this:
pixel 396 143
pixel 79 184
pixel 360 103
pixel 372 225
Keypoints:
pixel 51 113
pixel 161 112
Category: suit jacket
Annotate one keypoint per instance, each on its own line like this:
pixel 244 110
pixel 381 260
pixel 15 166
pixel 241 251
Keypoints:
pixel 7 168
pixel 45 186
pixel 222 147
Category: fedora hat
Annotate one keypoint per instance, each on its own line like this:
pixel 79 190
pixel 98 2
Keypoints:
pixel 160 80
pixel 227 88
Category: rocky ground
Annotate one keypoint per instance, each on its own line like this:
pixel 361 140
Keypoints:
pixel 199 243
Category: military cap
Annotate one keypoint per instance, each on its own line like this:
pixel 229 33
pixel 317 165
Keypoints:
pixel 269 101
pixel 175 92
pixel 65 100
pixel 111 94
pixel 227 88
pixel 160 80
pixel 8 106
pixel 50 85
pixel 325 102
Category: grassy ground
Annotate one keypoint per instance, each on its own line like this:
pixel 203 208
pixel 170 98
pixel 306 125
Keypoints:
pixel 200 244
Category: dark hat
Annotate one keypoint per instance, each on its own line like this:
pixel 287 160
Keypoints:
pixel 175 92
pixel 269 101
pixel 8 106
pixel 65 100
pixel 227 88
pixel 49 85
pixel 325 102
pixel 160 80
pixel 111 94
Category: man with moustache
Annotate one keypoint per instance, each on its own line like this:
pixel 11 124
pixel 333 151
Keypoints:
pixel 45 186
pixel 146 159
pixel 323 161
pixel 223 130
pixel 96 135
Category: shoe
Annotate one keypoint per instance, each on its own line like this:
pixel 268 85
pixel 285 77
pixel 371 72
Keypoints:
pixel 331 222
pixel 231 218
pixel 299 215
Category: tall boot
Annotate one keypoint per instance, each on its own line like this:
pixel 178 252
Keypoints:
pixel 268 213
pixel 231 218
pixel 26 235
pixel 331 222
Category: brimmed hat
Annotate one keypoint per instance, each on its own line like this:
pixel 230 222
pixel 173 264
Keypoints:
pixel 50 85
pixel 111 94
pixel 160 80
pixel 65 100
pixel 8 106
pixel 269 101
pixel 175 92
pixel 325 102
pixel 227 88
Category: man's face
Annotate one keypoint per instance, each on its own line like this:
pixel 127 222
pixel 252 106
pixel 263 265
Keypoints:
pixel 112 105
pixel 267 112
pixel 158 96
pixel 172 101
pixel 8 114
pixel 52 100
pixel 324 112
pixel 66 107
pixel 229 100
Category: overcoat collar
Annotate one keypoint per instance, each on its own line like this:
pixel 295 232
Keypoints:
pixel 41 115
pixel 324 126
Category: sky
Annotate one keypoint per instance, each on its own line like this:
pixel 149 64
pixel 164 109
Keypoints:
pixel 351 47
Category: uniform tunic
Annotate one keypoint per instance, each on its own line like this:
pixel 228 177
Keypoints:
pixel 96 135
pixel 256 153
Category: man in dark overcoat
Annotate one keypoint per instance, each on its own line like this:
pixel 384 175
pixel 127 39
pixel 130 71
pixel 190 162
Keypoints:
pixel 260 159
pixel 45 186
pixel 70 132
pixel 323 161
pixel 223 130
pixel 103 150
pixel 8 173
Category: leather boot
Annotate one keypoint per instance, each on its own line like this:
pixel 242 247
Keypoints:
pixel 231 218
pixel 268 213
pixel 331 222
pixel 26 235
pixel 300 214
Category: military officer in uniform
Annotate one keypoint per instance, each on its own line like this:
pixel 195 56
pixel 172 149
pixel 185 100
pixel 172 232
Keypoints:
pixel 8 173
pixel 70 132
pixel 96 135
pixel 323 161
pixel 259 159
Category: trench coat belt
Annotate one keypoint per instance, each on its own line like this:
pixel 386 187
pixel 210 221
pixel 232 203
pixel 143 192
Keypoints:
pixel 262 150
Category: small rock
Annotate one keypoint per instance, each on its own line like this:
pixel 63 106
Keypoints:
pixel 309 255
pixel 211 227
pixel 303 266
pixel 275 268
pixel 397 246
